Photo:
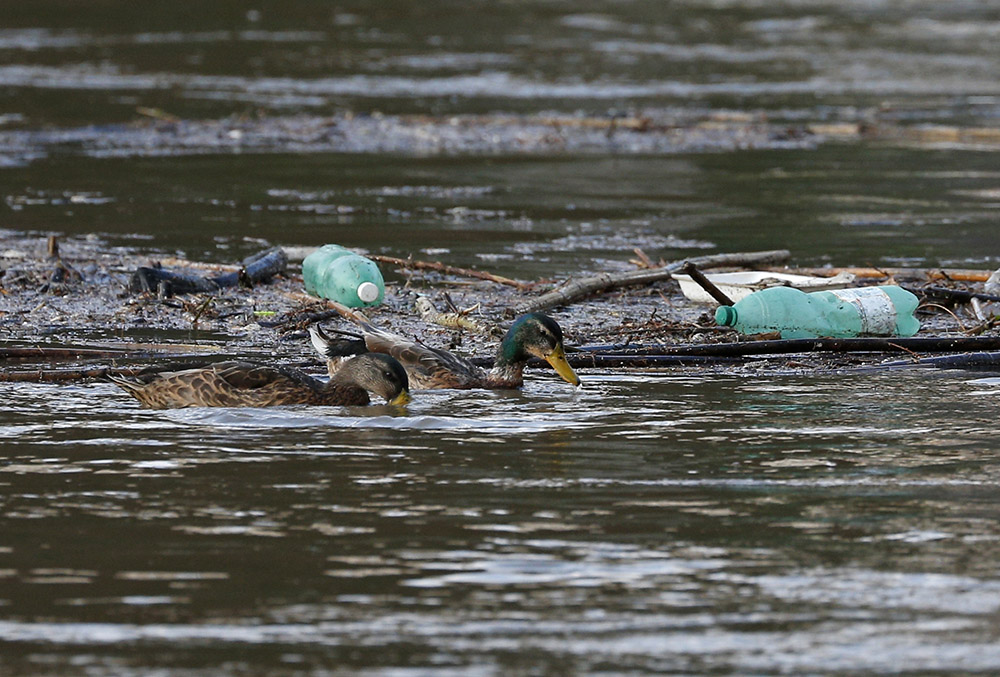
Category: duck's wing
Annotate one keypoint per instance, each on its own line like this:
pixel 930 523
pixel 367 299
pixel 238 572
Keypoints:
pixel 426 367
pixel 246 376
pixel 165 388
pixel 175 384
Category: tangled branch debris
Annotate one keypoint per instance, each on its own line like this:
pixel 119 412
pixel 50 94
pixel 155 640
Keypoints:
pixel 582 288
pixel 254 269
pixel 454 320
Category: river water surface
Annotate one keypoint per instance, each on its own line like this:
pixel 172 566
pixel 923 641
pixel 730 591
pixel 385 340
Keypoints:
pixel 668 522
pixel 644 524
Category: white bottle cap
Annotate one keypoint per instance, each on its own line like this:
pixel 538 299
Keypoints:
pixel 367 291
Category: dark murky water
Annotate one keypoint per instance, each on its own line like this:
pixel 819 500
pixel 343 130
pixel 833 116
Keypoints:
pixel 646 524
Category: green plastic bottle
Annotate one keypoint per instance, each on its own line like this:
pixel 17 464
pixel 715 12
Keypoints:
pixel 862 311
pixel 333 272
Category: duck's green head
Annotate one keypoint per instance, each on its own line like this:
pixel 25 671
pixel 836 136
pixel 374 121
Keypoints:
pixel 537 335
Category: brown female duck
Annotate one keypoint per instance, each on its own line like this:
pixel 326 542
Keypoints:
pixel 532 335
pixel 245 384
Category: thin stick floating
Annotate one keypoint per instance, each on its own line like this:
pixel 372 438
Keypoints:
pixel 449 270
pixel 912 344
pixel 60 375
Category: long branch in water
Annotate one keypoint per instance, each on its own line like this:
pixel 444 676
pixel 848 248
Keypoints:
pixel 584 287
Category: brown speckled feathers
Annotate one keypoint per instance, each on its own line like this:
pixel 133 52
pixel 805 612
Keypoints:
pixel 245 384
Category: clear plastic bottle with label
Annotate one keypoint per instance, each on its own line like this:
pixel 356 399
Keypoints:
pixel 862 311
pixel 336 273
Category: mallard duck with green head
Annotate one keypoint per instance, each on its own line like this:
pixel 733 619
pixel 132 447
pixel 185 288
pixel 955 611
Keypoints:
pixel 246 384
pixel 532 335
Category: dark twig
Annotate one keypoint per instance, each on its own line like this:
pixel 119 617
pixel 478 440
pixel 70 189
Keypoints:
pixel 951 295
pixel 53 354
pixel 951 344
pixel 35 353
pixel 59 375
pixel 692 271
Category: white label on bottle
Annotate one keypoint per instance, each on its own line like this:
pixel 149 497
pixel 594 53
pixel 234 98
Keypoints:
pixel 875 309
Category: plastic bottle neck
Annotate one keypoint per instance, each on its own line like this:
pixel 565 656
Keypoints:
pixel 725 316
pixel 368 292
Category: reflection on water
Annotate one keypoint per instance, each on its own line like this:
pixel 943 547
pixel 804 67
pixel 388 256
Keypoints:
pixel 642 524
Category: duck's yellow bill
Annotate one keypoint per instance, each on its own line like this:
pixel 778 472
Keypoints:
pixel 402 398
pixel 557 358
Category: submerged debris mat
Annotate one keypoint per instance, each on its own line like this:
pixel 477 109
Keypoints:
pixel 73 306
